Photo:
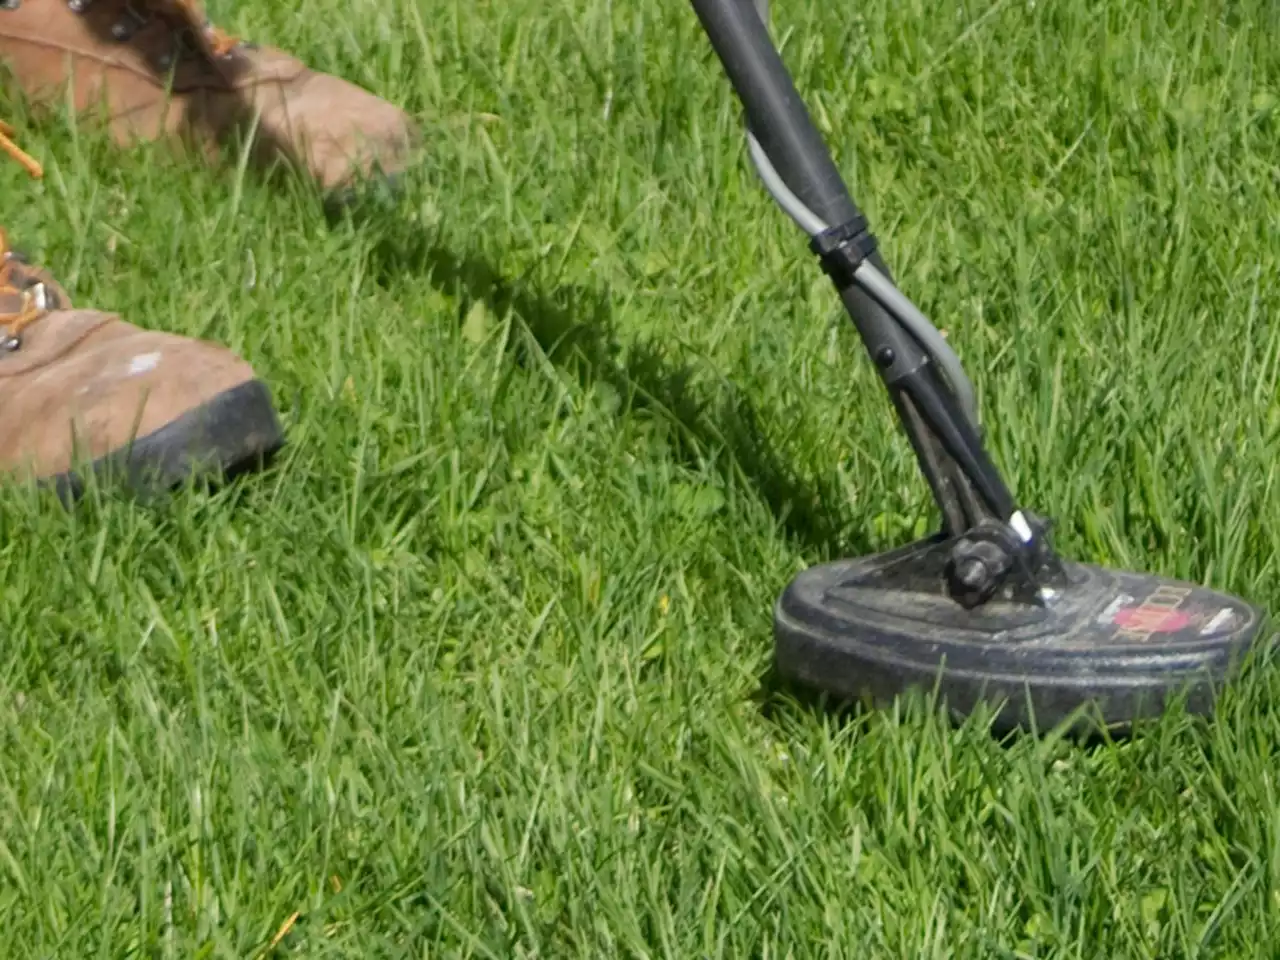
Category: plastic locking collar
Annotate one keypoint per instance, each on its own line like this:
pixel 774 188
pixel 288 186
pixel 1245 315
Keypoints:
pixel 843 248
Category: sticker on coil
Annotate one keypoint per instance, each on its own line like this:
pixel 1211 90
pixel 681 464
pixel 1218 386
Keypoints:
pixel 1163 612
pixel 1160 612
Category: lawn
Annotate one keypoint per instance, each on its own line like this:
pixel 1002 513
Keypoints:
pixel 480 666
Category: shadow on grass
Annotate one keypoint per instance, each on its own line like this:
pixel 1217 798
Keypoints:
pixel 575 328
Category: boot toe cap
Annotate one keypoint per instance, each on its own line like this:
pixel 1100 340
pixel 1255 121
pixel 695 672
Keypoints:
pixel 342 132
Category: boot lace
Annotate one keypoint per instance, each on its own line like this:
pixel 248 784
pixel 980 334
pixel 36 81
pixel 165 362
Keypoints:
pixel 10 148
pixel 33 299
pixel 217 41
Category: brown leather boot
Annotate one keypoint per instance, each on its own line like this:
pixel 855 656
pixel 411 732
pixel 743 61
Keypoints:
pixel 159 68
pixel 83 391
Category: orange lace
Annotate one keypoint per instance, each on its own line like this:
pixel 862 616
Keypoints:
pixel 31 310
pixel 220 42
pixel 17 153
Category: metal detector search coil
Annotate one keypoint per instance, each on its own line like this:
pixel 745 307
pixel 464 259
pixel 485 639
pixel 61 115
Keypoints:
pixel 985 611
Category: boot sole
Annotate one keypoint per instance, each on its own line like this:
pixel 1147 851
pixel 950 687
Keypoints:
pixel 235 432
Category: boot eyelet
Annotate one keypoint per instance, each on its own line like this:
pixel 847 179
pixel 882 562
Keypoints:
pixel 133 20
pixel 40 296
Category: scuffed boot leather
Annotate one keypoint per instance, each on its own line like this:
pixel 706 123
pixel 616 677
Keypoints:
pixel 84 391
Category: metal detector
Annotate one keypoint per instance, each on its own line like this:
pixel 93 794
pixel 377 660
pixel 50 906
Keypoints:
pixel 985 611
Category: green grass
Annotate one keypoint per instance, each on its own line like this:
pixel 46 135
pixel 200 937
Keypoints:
pixel 477 669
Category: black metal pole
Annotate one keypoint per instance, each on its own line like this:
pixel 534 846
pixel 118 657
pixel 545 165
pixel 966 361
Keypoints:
pixel 780 121
pixel 775 111
pixel 949 451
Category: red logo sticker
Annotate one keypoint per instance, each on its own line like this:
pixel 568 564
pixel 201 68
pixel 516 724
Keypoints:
pixel 1158 613
pixel 1147 620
